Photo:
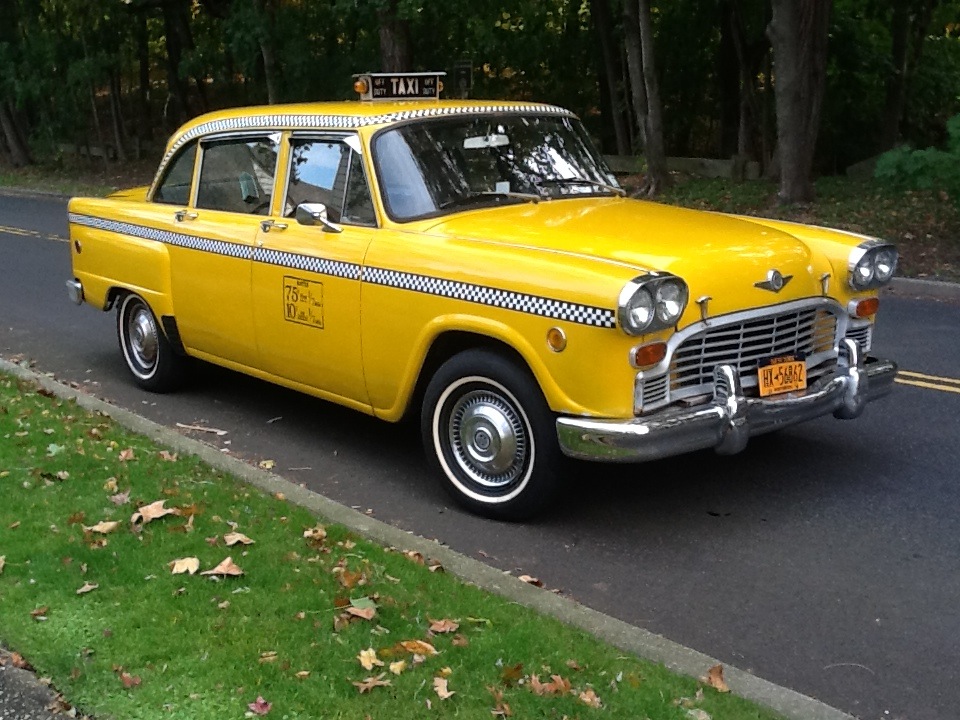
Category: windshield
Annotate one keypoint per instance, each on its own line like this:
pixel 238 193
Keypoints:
pixel 437 166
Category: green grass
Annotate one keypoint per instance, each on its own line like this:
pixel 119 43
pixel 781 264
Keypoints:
pixel 197 645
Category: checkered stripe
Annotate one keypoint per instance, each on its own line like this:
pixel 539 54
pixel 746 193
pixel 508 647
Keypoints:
pixel 277 121
pixel 218 247
pixel 521 302
pixel 480 294
pixel 321 266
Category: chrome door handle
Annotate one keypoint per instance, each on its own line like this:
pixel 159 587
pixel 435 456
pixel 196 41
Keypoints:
pixel 268 225
pixel 182 215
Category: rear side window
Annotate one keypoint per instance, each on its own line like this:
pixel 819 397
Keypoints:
pixel 237 175
pixel 174 189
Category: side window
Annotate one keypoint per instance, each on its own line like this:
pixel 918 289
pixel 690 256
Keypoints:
pixel 174 189
pixel 237 175
pixel 329 172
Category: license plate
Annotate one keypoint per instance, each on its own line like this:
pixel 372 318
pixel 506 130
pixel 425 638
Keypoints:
pixel 781 375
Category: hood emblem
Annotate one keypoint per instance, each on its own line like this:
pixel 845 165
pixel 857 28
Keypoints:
pixel 775 281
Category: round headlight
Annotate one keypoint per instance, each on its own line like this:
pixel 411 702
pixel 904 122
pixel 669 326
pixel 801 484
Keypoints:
pixel 638 312
pixel 885 264
pixel 671 301
pixel 864 271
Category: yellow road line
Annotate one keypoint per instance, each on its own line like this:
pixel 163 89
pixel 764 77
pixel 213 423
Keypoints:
pixel 929 386
pixel 30 233
pixel 934 378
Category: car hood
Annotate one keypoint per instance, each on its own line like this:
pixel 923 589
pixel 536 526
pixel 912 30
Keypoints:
pixel 717 255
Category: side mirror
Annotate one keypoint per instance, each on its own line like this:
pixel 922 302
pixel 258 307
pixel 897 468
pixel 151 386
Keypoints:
pixel 316 214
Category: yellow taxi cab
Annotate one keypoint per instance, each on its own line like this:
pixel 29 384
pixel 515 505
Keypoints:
pixel 476 263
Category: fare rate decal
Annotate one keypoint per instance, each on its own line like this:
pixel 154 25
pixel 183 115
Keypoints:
pixel 303 301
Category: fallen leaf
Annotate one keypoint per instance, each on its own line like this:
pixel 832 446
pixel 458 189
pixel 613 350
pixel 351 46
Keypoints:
pixel 104 527
pixel 511 675
pixel 87 587
pixel 434 566
pixel 259 706
pixel 3 561
pixel 63 475
pixel 154 510
pixel 589 697
pixel 233 538
pixel 188 565
pixel 363 613
pixel 14 525
pixel 574 665
pixel 418 647
pixel 223 605
pixel 445 671
pixel 556 686
pixel 168 456
pixel 268 657
pixel 126 455
pixel 110 485
pixel 698 714
pixel 315 534
pixel 714 679
pixel 460 640
pixel 368 659
pixel 500 709
pixel 129 681
pixel 440 687
pixel 415 556
pixel 530 580
pixel 443 626
pixel 369 683
pixel 225 568
pixel 302 675
pixel 398 667
pixel 266 464
pixel 40 613
pixel 18 662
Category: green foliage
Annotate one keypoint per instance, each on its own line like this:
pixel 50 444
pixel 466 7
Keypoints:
pixel 925 169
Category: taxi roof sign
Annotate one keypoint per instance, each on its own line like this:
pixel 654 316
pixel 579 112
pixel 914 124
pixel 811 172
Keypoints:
pixel 399 86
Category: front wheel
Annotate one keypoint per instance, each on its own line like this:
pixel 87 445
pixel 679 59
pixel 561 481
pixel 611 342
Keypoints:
pixel 491 435
pixel 150 358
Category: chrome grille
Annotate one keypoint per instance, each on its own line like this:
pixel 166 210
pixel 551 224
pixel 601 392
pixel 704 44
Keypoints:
pixel 810 332
pixel 862 336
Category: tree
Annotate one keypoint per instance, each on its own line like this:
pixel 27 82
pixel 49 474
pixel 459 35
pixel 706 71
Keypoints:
pixel 645 91
pixel 798 32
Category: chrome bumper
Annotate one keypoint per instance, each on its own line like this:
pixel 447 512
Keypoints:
pixel 75 291
pixel 727 421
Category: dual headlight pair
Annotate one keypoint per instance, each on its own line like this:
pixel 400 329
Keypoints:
pixel 871 264
pixel 651 302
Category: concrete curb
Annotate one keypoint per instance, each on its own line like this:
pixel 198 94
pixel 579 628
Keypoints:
pixel 683 660
pixel 928 289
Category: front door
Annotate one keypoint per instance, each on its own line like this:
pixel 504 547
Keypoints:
pixel 306 277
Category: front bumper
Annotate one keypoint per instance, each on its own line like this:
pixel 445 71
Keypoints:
pixel 726 422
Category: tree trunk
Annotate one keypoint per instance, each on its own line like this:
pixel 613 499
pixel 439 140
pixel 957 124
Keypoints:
pixel 19 152
pixel 656 153
pixel 177 106
pixel 600 12
pixel 116 118
pixel 910 21
pixel 798 32
pixel 394 40
pixel 144 128
pixel 268 50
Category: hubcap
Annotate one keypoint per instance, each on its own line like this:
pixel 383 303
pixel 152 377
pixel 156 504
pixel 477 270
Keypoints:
pixel 143 338
pixel 488 438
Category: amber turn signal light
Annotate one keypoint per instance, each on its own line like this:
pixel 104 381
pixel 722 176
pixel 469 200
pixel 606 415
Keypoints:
pixel 360 87
pixel 864 308
pixel 651 354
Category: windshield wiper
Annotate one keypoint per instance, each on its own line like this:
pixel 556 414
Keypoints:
pixel 480 197
pixel 584 181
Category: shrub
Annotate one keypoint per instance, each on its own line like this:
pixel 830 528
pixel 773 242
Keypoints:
pixel 926 169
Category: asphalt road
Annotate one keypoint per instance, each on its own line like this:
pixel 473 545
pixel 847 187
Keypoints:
pixel 825 558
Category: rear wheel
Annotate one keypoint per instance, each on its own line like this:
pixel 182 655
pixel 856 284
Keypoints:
pixel 491 435
pixel 150 358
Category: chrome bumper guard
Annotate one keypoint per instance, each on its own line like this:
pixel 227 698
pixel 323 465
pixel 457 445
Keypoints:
pixel 727 421
pixel 75 291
